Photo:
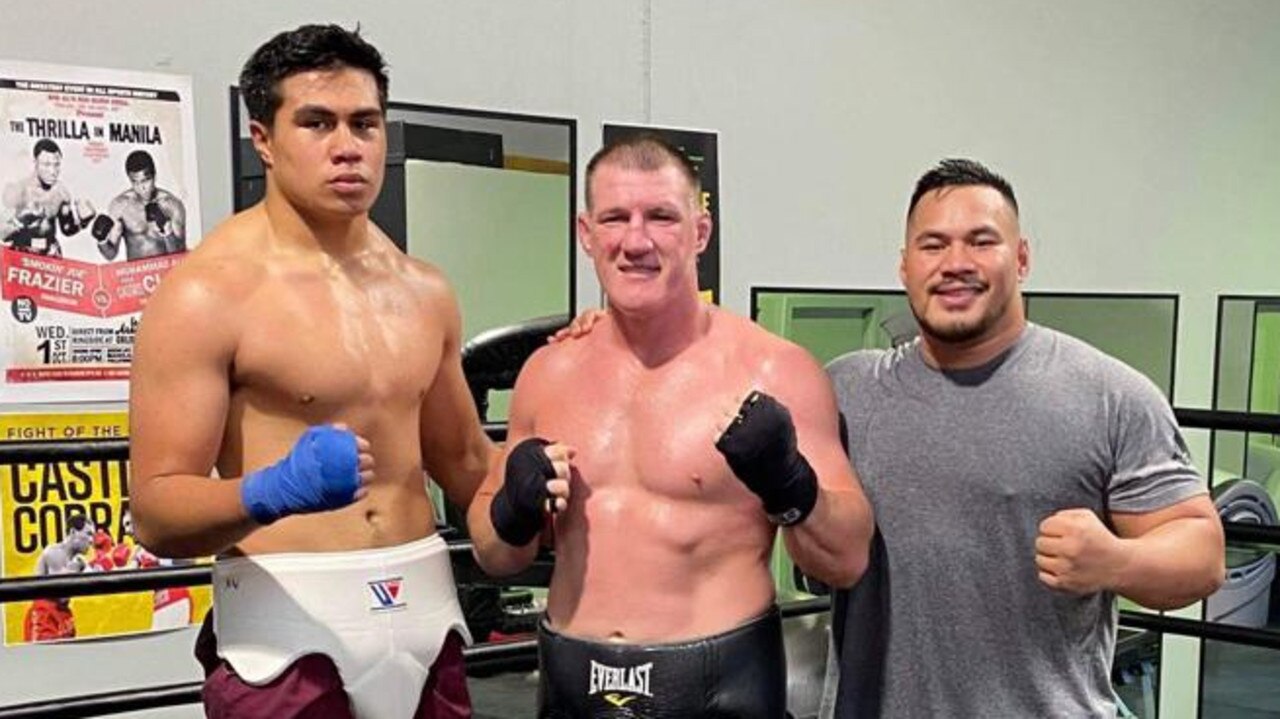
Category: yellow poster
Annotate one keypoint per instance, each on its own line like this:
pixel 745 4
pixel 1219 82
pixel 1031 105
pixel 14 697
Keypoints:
pixel 73 517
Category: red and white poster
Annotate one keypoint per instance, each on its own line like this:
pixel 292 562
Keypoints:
pixel 98 199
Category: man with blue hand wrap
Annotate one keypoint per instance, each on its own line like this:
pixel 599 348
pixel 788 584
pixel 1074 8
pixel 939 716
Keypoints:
pixel 326 454
pixel 333 596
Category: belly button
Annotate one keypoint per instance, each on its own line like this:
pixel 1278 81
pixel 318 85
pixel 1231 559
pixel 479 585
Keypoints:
pixel 307 398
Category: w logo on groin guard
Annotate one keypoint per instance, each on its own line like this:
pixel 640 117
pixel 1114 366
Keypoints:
pixel 385 594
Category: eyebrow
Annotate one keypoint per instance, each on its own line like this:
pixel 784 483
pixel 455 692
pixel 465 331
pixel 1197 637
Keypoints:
pixel 983 229
pixel 323 111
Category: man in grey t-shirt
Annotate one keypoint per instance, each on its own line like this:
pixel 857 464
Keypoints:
pixel 1021 480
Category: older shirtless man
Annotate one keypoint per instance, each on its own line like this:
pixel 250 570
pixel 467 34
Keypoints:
pixel 672 440
pixel 317 368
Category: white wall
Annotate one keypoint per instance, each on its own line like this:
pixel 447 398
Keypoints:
pixel 1143 137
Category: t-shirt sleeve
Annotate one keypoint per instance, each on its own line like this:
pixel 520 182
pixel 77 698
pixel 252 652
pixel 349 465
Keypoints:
pixel 1153 468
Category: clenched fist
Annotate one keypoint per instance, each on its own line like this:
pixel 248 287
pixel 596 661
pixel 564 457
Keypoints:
pixel 1077 553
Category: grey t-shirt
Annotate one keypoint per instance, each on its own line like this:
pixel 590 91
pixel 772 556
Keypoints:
pixel 961 468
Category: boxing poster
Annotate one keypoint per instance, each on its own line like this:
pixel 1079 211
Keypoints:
pixel 73 518
pixel 700 147
pixel 98 199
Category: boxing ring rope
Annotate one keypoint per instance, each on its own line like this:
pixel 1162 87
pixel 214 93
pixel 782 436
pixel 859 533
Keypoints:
pixel 489 657
pixel 522 653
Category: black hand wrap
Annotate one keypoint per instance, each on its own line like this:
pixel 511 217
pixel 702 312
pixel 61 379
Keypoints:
pixel 517 508
pixel 760 446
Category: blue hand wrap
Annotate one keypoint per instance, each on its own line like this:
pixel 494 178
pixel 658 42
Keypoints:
pixel 321 472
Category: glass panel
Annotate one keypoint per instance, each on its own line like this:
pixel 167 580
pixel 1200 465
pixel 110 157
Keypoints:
pixel 1246 465
pixel 499 235
pixel 1138 330
pixel 1240 682
pixel 830 323
pixel 1135 673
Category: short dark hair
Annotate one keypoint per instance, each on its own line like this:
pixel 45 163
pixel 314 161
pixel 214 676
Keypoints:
pixel 44 144
pixel 643 151
pixel 958 172
pixel 139 161
pixel 309 47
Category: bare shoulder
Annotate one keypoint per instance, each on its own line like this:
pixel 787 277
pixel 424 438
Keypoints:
pixel 218 275
pixel 569 361
pixel 779 366
pixel 772 355
pixel 426 280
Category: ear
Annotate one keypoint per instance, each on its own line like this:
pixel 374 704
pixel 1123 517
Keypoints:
pixel 1024 258
pixel 902 266
pixel 703 225
pixel 261 137
pixel 584 232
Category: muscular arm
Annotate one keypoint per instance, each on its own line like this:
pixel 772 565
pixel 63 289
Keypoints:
pixel 1164 559
pixel 833 542
pixel 495 556
pixel 178 401
pixel 455 450
pixel 1171 557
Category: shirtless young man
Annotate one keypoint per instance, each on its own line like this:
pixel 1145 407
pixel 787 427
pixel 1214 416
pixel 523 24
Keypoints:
pixel 665 441
pixel 317 368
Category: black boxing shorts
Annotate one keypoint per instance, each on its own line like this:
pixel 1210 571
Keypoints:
pixel 739 674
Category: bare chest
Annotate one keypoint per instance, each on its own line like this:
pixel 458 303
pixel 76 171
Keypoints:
pixel 331 348
pixel 654 433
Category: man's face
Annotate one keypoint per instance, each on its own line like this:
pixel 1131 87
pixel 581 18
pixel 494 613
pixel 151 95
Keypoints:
pixel 143 184
pixel 962 264
pixel 644 232
pixel 48 167
pixel 326 148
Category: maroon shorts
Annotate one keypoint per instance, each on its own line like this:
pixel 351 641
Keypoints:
pixel 312 687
